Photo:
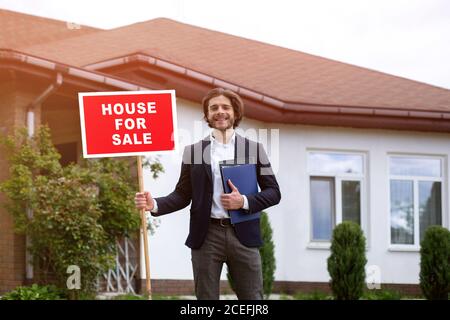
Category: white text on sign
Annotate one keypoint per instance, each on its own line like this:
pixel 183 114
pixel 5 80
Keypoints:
pixel 132 108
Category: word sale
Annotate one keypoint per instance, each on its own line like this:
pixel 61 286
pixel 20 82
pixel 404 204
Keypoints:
pixel 131 139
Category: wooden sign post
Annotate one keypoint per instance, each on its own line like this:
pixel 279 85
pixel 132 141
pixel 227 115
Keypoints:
pixel 148 284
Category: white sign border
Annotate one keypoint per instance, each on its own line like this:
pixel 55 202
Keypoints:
pixel 81 95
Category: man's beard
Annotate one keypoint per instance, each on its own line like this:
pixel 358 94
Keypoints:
pixel 229 120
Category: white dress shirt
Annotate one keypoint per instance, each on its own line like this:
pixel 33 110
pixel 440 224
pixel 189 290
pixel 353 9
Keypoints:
pixel 219 152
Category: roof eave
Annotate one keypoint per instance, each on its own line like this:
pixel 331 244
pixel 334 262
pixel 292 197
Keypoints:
pixel 269 109
pixel 88 76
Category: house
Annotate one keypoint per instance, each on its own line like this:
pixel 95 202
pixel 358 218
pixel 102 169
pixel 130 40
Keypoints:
pixel 346 143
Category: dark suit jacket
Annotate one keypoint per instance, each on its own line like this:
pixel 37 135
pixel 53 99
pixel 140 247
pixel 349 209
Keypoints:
pixel 195 184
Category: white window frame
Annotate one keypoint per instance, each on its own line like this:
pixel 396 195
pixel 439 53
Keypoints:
pixel 338 178
pixel 415 179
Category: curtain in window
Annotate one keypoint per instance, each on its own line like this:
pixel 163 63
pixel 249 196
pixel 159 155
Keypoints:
pixel 402 212
pixel 429 205
pixel 351 201
pixel 322 207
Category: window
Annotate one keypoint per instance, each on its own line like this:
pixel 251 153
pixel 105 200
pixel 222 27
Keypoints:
pixel 336 183
pixel 69 153
pixel 415 197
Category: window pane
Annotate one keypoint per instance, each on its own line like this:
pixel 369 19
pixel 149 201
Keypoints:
pixel 429 205
pixel 402 212
pixel 335 163
pixel 351 201
pixel 415 167
pixel 322 207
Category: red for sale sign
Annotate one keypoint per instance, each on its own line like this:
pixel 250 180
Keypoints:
pixel 127 123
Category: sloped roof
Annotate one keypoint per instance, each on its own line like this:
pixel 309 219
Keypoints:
pixel 19 30
pixel 294 83
pixel 281 73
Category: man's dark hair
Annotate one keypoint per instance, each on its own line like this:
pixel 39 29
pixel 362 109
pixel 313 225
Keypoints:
pixel 236 102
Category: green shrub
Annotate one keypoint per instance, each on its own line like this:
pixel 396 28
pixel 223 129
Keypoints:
pixel 435 263
pixel 129 296
pixel 315 295
pixel 78 210
pixel 382 295
pixel 34 292
pixel 347 261
pixel 267 252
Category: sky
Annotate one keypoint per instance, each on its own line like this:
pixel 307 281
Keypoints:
pixel 407 38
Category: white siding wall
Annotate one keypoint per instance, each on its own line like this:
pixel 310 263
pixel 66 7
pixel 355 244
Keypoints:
pixel 296 259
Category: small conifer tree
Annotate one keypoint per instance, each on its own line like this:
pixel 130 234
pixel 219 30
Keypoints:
pixel 435 263
pixel 267 252
pixel 347 261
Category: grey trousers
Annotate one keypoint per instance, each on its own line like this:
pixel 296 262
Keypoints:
pixel 244 264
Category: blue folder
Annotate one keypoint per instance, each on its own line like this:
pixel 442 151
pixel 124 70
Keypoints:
pixel 243 176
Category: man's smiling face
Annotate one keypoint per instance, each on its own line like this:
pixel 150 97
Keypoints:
pixel 220 113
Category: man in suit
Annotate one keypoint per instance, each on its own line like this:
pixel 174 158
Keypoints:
pixel 212 238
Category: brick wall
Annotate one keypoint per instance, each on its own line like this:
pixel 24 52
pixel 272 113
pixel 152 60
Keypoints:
pixel 177 287
pixel 291 287
pixel 186 287
pixel 11 245
pixel 13 103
